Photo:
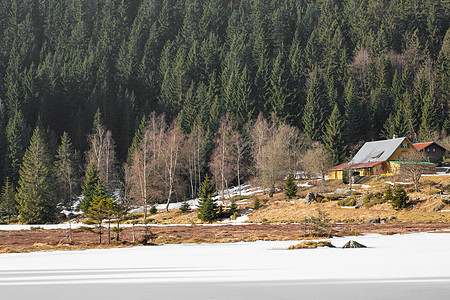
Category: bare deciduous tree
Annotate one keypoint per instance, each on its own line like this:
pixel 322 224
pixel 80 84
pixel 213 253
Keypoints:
pixel 317 160
pixel 194 155
pixel 102 154
pixel 170 159
pixel 223 162
pixel 273 147
pixel 413 167
pixel 145 162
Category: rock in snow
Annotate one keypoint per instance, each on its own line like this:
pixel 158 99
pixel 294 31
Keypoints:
pixel 353 244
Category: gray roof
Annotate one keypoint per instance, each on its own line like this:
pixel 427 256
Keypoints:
pixel 377 151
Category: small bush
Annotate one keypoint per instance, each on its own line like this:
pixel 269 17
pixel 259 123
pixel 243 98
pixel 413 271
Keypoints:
pixel 375 202
pixel 388 194
pixel 433 192
pixel 411 190
pixel 335 197
pixel 256 204
pixel 153 210
pixel 185 207
pixel 347 202
pixel 399 199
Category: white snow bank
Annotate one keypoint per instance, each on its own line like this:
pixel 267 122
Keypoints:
pixel 397 182
pixel 400 257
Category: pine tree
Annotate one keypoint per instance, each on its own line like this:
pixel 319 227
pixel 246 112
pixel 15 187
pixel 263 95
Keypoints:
pixel 207 207
pixel 291 187
pixel 36 193
pixel 332 138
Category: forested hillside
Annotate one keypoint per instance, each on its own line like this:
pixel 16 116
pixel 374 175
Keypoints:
pixel 340 72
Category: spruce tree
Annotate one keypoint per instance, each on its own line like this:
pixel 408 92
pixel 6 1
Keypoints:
pixel 207 207
pixel 429 118
pixel 332 138
pixel 291 187
pixel 17 139
pixel 92 187
pixel 36 193
pixel 137 139
pixel 316 104
pixel 399 199
pixel 352 115
pixel 8 204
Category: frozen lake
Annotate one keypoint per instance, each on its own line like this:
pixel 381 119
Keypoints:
pixel 412 266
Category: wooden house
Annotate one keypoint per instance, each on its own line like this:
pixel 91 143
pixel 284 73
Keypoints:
pixel 384 157
pixel 433 151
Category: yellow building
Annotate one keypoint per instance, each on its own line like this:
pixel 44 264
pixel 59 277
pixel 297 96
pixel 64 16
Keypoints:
pixel 381 158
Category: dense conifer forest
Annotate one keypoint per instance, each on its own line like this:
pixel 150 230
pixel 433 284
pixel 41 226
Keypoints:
pixel 92 90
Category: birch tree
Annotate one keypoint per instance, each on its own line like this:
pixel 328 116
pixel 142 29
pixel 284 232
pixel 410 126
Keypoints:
pixel 223 162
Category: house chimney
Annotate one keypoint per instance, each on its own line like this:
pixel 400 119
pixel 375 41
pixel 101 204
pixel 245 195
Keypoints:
pixel 394 136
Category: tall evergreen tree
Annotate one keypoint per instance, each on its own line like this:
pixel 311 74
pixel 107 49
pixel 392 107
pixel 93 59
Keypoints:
pixel 207 207
pixel 314 111
pixel 8 203
pixel 36 193
pixel 17 138
pixel 92 187
pixel 332 138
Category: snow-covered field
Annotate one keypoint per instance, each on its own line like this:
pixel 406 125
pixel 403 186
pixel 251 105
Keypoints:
pixel 400 262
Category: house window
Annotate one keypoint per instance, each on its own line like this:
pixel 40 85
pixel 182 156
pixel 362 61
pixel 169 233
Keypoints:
pixel 405 145
pixel 434 149
pixel 428 149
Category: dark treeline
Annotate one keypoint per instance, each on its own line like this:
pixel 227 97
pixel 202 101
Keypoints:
pixel 339 71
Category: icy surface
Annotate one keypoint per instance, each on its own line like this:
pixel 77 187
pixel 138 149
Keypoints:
pixel 403 257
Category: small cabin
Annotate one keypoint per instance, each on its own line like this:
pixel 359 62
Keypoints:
pixel 384 157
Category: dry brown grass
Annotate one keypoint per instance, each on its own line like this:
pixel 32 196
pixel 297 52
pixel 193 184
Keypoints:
pixel 311 245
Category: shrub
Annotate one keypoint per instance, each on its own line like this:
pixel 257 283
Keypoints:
pixel 256 204
pixel 350 201
pixel 317 226
pixel 388 194
pixel 291 187
pixel 153 210
pixel 334 197
pixel 233 208
pixel 433 192
pixel 375 202
pixel 185 207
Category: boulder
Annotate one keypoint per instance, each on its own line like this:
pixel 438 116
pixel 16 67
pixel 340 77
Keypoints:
pixel 343 191
pixel 353 244
pixel 439 207
pixel 360 202
pixel 310 198
pixel 392 218
pixel 374 220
